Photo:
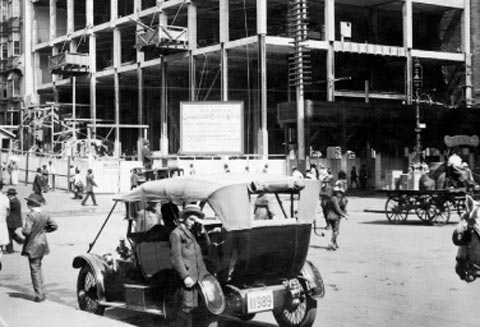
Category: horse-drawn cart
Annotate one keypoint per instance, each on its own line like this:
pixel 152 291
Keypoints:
pixel 430 206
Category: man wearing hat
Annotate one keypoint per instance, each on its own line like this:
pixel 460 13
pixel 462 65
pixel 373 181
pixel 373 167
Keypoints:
pixel 147 160
pixel 37 223
pixel 186 257
pixel 334 212
pixel 14 219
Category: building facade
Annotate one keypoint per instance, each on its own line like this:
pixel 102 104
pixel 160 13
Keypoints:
pixel 118 70
pixel 11 64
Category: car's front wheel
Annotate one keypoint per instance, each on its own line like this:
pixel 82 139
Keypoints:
pixel 87 291
pixel 301 315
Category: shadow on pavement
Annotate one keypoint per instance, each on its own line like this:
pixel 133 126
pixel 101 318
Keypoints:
pixel 198 320
pixel 319 247
pixel 20 296
pixel 406 223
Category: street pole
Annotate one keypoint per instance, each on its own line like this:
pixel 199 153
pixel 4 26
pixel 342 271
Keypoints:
pixel 418 145
pixel 417 83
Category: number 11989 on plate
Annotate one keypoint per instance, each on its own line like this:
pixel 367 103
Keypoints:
pixel 259 301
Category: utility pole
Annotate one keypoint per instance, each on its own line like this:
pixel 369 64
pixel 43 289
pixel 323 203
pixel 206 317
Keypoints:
pixel 417 84
pixel 299 69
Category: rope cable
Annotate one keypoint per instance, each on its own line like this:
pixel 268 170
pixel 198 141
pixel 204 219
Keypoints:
pixel 205 62
pixel 178 11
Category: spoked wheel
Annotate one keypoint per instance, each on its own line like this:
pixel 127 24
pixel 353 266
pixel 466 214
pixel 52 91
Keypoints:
pixel 297 313
pixel 87 292
pixel 395 210
pixel 425 208
pixel 302 315
pixel 459 205
pixel 442 213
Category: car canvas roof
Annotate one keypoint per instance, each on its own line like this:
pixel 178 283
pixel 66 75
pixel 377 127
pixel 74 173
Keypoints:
pixel 227 194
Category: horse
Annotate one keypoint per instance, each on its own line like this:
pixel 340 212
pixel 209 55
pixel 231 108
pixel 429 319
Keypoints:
pixel 467 237
pixel 440 177
pixel 435 178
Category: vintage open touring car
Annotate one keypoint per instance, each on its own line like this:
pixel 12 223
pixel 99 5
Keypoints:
pixel 255 265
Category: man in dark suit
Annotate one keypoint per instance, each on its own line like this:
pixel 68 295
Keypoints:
pixel 187 259
pixel 37 187
pixel 14 219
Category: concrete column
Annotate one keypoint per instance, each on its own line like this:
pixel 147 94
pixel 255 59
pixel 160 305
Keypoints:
pixel 192 44
pixel 29 38
pixel 475 48
pixel 53 18
pixel 224 72
pixel 70 17
pixel 163 111
pixel 407 17
pixel 92 44
pixel 89 13
pixel 140 59
pixel 113 10
pixel 262 71
pixel 330 38
pixel 192 26
pixel 224 37
pixel 116 64
pixel 466 39
pixel 192 76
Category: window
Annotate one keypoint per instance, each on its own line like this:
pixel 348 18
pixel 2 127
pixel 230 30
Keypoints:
pixel 13 85
pixel 16 48
pixel 4 47
pixel 14 8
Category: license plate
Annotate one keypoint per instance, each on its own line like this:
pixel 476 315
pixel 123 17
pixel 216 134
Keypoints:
pixel 259 301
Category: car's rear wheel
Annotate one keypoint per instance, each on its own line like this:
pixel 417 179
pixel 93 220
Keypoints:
pixel 87 292
pixel 246 317
pixel 302 315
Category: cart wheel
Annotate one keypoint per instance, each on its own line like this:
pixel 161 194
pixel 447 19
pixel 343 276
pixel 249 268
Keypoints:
pixel 425 209
pixel 395 210
pixel 87 291
pixel 459 205
pixel 442 213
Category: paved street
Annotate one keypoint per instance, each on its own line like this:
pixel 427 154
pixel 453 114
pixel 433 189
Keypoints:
pixel 382 275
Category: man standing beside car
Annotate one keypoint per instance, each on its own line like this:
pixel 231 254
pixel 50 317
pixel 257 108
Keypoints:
pixel 186 258
pixel 147 160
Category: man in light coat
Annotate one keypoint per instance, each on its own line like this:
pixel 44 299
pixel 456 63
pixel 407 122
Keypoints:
pixel 37 224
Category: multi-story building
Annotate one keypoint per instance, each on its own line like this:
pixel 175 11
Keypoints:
pixel 123 67
pixel 11 67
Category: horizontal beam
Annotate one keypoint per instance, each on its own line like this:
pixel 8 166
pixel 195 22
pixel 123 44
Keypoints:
pixel 444 3
pixel 373 95
pixel 115 125
pixel 450 56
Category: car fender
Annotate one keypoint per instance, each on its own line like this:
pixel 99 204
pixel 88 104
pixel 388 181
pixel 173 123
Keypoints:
pixel 98 266
pixel 313 280
pixel 212 294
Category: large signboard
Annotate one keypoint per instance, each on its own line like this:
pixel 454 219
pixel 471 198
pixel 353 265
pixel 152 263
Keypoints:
pixel 211 128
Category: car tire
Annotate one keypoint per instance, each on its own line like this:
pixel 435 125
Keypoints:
pixel 87 292
pixel 301 316
pixel 246 317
